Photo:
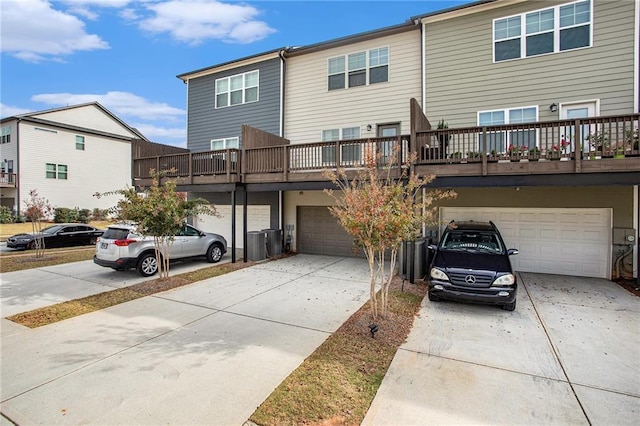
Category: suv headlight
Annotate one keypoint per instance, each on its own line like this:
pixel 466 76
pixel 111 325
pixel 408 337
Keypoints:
pixel 508 279
pixel 438 274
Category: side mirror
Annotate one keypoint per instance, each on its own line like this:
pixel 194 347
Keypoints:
pixel 432 247
pixel 511 252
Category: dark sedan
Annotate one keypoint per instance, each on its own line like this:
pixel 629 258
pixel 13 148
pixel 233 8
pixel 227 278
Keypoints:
pixel 59 235
pixel 471 264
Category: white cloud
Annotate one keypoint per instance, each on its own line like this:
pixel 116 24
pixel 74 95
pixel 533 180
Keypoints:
pixel 47 34
pixel 169 135
pixel 193 21
pixel 122 104
pixel 10 111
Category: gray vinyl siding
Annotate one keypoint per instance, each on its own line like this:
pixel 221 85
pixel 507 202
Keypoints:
pixel 461 78
pixel 205 122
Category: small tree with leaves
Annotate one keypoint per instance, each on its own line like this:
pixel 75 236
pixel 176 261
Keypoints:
pixel 158 211
pixel 380 212
pixel 38 210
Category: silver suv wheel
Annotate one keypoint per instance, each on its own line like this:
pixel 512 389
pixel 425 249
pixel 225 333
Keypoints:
pixel 147 265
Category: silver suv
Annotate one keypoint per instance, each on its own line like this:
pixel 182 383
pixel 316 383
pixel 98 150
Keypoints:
pixel 121 248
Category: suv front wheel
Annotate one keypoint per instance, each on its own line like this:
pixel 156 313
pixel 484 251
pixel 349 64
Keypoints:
pixel 147 265
pixel 214 253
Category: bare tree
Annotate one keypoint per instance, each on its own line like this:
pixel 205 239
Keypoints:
pixel 38 210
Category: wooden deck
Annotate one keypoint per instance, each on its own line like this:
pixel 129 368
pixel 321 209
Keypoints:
pixel 583 146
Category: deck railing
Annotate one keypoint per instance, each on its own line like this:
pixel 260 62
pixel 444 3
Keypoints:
pixel 593 138
pixel 579 139
pixel 317 156
pixel 191 164
pixel 8 180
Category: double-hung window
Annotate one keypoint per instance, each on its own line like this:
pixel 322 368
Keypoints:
pixel 56 171
pixel 501 140
pixel 551 30
pixel 226 143
pixel 237 89
pixel 80 143
pixel 6 134
pixel 358 69
pixel 349 152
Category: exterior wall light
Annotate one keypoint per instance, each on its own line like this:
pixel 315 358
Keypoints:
pixel 553 107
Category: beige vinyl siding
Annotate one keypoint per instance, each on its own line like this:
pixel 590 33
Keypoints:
pixel 310 107
pixel 89 117
pixel 104 165
pixel 461 78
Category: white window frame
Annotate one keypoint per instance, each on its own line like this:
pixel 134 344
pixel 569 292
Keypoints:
pixel 557 29
pixel 6 135
pixel 243 89
pixel 56 172
pixel 80 143
pixel 343 153
pixel 374 58
pixel 227 143
pixel 507 121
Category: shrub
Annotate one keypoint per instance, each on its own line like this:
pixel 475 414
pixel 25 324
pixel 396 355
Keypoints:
pixel 99 214
pixel 6 215
pixel 84 215
pixel 64 214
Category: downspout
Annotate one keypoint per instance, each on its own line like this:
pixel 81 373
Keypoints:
pixel 423 68
pixel 17 168
pixel 283 70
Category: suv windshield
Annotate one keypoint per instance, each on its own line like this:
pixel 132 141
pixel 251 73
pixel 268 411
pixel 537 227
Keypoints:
pixel 467 240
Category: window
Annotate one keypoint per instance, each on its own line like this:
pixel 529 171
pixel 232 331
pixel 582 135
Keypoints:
pixel 501 140
pixel 551 30
pixel 62 171
pixel 51 171
pixel 237 89
pixel 80 143
pixel 58 171
pixel 6 134
pixel 368 67
pixel 227 143
pixel 349 152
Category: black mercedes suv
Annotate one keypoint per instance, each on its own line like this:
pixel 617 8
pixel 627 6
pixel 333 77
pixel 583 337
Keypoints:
pixel 471 264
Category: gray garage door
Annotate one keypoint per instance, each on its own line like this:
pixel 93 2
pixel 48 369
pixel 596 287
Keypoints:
pixel 320 233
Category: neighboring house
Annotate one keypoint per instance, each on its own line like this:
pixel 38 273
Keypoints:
pixel 520 84
pixel 66 155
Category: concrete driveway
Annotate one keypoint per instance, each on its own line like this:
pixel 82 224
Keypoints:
pixel 208 353
pixel 569 354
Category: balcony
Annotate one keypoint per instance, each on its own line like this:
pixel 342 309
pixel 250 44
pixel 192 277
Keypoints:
pixel 7 180
pixel 581 146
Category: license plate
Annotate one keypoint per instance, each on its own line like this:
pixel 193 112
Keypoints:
pixel 104 245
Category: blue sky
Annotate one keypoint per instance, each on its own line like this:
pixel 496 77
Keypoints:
pixel 126 54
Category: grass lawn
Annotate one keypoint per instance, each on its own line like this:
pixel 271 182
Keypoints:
pixel 9 229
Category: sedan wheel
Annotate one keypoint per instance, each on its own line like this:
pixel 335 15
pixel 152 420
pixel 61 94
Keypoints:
pixel 214 254
pixel 32 245
pixel 147 265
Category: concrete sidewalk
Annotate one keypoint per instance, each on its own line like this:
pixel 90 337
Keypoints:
pixel 207 353
pixel 568 354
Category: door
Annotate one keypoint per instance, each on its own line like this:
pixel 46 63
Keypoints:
pixel 385 148
pixel 574 111
pixel 563 241
pixel 189 242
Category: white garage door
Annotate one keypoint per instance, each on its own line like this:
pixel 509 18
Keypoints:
pixel 258 218
pixel 553 241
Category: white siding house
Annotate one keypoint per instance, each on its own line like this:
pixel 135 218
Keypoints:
pixel 66 155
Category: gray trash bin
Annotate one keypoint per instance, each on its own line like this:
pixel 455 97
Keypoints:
pixel 274 241
pixel 256 245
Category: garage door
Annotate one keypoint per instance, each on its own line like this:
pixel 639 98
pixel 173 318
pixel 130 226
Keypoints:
pixel 258 218
pixel 320 233
pixel 554 241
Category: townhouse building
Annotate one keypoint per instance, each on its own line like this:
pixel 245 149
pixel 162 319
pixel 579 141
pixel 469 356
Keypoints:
pixel 527 109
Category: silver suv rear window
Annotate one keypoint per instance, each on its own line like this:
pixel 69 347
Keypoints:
pixel 115 234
